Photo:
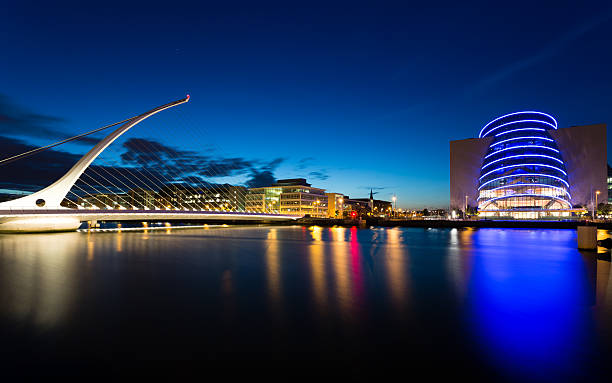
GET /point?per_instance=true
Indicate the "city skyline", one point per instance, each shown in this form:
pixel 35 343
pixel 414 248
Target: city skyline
pixel 272 187
pixel 351 98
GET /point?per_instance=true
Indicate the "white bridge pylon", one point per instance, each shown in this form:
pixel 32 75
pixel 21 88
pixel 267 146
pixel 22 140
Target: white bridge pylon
pixel 52 196
pixel 42 211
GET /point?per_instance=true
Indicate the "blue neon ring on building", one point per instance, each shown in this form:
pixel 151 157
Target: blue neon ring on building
pixel 523 169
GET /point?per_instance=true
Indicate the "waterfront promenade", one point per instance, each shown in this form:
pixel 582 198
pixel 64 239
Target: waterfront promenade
pixel 457 223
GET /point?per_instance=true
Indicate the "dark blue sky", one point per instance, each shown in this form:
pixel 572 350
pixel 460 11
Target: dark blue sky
pixel 350 95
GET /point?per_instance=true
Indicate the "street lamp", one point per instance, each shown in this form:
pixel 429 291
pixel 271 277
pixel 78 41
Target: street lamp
pixel 597 192
pixel 394 198
pixel 465 210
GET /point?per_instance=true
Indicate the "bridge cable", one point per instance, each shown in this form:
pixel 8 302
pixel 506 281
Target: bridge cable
pixel 157 188
pixel 216 188
pixel 112 175
pixel 190 179
pixel 43 148
pixel 179 173
pixel 86 192
pixel 176 174
pixel 213 166
pixel 104 186
pixel 167 181
pixel 152 185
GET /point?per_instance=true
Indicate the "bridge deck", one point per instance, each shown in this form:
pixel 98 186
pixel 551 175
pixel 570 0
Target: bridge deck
pixel 137 215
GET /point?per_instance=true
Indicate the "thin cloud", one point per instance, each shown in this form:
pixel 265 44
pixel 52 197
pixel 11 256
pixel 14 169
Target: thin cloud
pixel 304 163
pixel 18 121
pixel 177 164
pixel 319 175
pixel 264 176
pixel 144 163
pixel 32 173
pixel 260 179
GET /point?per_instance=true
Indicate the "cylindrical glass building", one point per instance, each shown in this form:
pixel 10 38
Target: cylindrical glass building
pixel 523 174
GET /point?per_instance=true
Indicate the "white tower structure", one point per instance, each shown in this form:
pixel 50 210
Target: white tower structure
pixel 51 196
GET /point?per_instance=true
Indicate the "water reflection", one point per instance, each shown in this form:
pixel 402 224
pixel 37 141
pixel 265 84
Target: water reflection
pixel 356 270
pixel 342 275
pixel 519 301
pixel 458 262
pixel 316 233
pixel 529 301
pixel 603 283
pixel 319 277
pixel 119 240
pixel 37 279
pixel 273 271
pixel 397 274
pixel 90 247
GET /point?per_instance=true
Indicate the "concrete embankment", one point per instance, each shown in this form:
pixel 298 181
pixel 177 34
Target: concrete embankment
pixel 455 223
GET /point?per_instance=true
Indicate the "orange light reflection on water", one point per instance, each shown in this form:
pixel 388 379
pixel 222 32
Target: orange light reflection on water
pixel 319 275
pixel 395 264
pixel 273 271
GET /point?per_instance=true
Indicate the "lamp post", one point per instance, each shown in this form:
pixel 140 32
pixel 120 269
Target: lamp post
pixel 394 198
pixel 597 192
pixel 465 209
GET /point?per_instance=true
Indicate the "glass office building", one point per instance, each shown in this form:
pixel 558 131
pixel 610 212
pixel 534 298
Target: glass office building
pixel 291 197
pixel 523 174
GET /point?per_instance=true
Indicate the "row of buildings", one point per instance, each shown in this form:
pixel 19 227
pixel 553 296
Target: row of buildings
pixel 298 197
pixel 169 197
pixel 290 197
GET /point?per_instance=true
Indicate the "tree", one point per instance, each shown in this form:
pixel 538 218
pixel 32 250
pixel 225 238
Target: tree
pixel 604 208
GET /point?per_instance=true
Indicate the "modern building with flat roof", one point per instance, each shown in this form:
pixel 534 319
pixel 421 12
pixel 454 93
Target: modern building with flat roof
pixel 335 205
pixel 291 197
pixel 523 166
pixel 218 197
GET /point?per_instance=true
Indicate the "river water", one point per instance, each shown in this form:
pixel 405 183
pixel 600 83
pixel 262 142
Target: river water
pixel 499 303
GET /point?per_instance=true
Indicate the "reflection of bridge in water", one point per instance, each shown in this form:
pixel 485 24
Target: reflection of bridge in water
pixel 43 210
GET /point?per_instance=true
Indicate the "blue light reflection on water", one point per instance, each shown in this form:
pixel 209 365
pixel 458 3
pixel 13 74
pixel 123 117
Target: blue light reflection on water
pixel 505 301
pixel 529 300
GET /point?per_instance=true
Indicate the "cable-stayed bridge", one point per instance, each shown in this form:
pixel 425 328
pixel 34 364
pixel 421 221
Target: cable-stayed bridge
pixel 132 195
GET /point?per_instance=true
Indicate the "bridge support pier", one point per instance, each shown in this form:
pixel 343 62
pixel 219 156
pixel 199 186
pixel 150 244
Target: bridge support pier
pixel 587 237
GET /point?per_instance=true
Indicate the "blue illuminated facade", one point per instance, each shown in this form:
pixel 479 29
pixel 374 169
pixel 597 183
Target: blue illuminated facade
pixel 523 174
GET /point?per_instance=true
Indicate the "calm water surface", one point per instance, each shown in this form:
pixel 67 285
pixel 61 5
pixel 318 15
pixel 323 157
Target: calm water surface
pixel 520 304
